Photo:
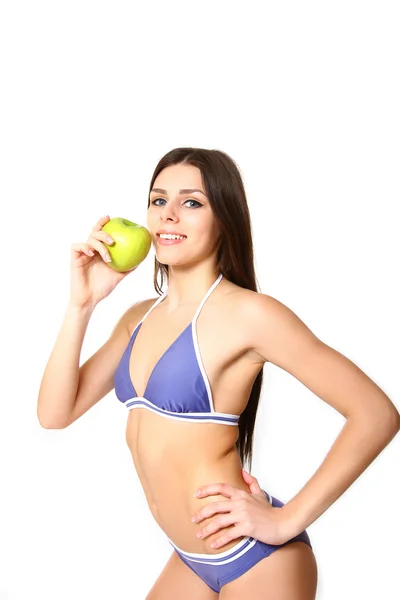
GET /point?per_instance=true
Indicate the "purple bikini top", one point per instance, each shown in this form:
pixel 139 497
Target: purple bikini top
pixel 178 387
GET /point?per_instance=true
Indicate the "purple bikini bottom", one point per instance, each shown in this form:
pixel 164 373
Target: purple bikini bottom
pixel 218 569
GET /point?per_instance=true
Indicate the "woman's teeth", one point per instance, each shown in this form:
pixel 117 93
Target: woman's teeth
pixel 167 236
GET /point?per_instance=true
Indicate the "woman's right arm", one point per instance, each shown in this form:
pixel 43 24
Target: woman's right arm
pixel 67 390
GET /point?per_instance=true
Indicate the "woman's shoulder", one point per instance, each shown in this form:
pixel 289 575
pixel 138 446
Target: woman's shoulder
pixel 249 303
pixel 136 312
pixel 250 308
pixel 242 298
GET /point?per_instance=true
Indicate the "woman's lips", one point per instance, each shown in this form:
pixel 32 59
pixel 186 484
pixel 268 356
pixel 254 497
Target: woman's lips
pixel 164 242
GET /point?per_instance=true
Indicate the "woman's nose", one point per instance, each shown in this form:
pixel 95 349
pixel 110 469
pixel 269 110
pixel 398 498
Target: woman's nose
pixel 169 212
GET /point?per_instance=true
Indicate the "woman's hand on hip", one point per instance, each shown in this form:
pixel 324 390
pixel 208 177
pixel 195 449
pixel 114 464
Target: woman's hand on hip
pixel 250 513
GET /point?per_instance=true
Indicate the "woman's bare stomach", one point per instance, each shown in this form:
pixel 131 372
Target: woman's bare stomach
pixel 173 459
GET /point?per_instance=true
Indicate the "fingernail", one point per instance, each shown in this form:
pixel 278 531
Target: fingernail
pixel 199 535
pixel 109 240
pixel 197 493
pixel 108 258
pixel 194 519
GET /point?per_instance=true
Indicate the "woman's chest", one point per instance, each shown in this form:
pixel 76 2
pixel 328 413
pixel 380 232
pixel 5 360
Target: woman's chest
pixel 210 355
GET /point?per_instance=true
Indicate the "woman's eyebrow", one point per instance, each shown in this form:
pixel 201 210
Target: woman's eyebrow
pixel 184 191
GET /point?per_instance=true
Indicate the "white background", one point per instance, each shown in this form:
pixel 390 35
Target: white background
pixel 304 96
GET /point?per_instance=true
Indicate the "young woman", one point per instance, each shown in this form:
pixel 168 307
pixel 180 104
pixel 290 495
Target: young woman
pixel 188 366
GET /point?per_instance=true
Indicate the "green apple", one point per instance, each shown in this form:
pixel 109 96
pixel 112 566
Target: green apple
pixel 132 243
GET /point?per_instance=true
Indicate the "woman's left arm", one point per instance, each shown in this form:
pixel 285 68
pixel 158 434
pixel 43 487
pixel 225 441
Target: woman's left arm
pixel 279 336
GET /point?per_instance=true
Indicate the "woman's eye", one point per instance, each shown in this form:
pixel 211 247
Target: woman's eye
pixel 189 200
pixel 195 201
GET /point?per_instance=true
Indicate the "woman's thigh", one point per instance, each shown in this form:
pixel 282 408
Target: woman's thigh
pixel 288 573
pixel 177 580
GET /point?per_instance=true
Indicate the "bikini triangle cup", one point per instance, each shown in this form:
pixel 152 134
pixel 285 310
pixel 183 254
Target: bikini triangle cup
pixel 178 386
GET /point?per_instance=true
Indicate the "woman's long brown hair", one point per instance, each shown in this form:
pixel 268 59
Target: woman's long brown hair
pixel 235 257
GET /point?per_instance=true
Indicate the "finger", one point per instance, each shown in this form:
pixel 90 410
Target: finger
pixel 102 236
pixel 233 534
pixel 101 222
pixel 247 476
pixel 256 490
pixel 252 483
pixel 102 250
pixel 82 248
pixel 212 509
pixel 216 525
pixel 219 488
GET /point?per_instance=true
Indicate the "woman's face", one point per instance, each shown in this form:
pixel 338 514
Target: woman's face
pixel 178 204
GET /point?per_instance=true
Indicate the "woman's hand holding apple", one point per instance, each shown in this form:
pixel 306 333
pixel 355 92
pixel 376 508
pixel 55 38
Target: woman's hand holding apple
pixel 91 278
